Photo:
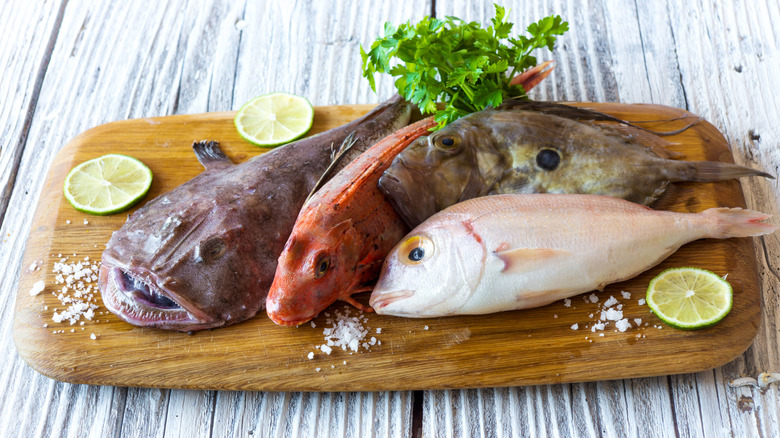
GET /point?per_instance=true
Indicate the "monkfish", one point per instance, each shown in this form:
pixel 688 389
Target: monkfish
pixel 507 252
pixel 538 147
pixel 204 254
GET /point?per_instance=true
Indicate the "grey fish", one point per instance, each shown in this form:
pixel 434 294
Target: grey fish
pixel 538 147
pixel 204 254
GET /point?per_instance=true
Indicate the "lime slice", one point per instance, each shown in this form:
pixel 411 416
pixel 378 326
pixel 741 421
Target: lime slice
pixel 106 185
pixel 274 119
pixel 689 298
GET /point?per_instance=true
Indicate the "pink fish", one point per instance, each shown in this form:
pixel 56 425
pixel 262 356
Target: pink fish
pixel 507 252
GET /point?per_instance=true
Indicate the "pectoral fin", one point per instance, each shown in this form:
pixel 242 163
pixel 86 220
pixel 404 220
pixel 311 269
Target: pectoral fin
pixel 210 155
pixel 520 260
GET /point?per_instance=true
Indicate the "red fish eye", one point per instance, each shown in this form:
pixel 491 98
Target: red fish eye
pixel 322 267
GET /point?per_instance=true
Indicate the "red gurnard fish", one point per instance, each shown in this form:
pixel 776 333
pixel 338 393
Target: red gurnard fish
pixel 341 236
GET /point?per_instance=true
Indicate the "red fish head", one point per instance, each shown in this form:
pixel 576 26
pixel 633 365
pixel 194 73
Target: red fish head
pixel 315 269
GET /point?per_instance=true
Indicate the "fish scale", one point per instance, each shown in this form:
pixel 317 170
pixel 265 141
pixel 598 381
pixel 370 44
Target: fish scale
pixel 539 147
pixel 507 252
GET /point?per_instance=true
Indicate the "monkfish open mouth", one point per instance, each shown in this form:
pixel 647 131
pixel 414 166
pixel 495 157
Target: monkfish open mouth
pixel 141 302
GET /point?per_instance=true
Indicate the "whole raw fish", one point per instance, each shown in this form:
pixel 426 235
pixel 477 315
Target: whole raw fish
pixel 537 147
pixel 340 237
pixel 508 252
pixel 204 254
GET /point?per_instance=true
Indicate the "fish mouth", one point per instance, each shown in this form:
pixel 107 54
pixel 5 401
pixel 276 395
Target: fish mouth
pixel 142 302
pixel 273 309
pixel 380 300
pixel 412 211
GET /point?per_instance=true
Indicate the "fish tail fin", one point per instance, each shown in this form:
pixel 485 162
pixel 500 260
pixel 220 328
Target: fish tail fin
pixel 711 171
pixel 738 222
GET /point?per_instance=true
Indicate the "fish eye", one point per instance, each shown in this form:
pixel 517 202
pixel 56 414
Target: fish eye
pixel 211 249
pixel 415 250
pixel 447 142
pixel 548 159
pixel 323 264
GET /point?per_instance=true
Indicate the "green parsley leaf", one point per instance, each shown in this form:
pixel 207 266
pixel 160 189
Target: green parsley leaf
pixel 459 63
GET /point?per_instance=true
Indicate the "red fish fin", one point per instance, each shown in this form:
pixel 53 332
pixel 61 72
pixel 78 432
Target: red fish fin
pixel 527 259
pixel 738 222
pixel 356 303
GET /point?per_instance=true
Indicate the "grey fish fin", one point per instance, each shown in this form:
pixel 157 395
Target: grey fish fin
pixel 335 157
pixel 577 113
pixel 656 144
pixel 710 171
pixel 210 155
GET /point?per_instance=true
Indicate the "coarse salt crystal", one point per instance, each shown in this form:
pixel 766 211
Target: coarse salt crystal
pixel 85 223
pixel 593 298
pixel 555 316
pixel 425 328
pixel 610 302
pixel 638 321
pixel 67 221
pixel 641 302
pixel 311 355
pixel 612 315
pixel 379 330
pixel 325 349
pixel 566 302
pixel 626 295
pixel 37 287
pixel 623 325
pixel 575 326
pixel 597 326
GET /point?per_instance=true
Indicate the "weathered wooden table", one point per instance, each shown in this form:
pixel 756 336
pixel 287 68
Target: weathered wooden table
pixel 70 65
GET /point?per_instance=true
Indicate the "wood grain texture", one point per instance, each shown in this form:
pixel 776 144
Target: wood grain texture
pixel 682 55
pixel 112 61
pixel 660 52
pixel 509 348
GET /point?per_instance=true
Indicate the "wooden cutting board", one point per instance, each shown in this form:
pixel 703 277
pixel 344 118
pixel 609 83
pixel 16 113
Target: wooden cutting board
pixel 512 348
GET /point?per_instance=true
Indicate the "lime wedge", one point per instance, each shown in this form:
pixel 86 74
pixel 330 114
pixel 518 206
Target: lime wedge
pixel 274 119
pixel 689 298
pixel 108 184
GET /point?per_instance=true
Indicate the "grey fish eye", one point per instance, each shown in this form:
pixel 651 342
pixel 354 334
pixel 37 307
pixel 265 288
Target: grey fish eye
pixel 548 159
pixel 212 249
pixel 416 254
pixel 447 141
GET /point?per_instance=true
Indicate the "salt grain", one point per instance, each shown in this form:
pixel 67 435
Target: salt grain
pixel 623 325
pixel 311 355
pixel 626 295
pixel 575 326
pixel 610 302
pixel 593 298
pixel 566 302
pixel 37 287
pixel 641 302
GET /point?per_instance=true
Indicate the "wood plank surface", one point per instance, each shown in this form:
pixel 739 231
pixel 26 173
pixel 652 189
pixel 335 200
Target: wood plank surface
pixel 107 61
pixel 510 348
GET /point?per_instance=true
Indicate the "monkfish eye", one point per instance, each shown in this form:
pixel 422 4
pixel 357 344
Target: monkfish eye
pixel 322 266
pixel 415 250
pixel 548 159
pixel 446 142
pixel 211 249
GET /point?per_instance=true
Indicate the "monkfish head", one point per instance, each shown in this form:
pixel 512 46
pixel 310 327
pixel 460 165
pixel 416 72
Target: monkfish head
pixel 456 163
pixel 316 268
pixel 184 260
pixel 433 271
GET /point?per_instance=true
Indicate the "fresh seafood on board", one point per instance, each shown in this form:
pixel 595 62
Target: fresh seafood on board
pixel 538 147
pixel 507 252
pixel 204 254
pixel 341 236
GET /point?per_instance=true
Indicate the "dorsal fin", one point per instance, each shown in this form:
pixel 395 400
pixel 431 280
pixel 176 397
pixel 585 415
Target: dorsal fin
pixel 576 113
pixel 210 155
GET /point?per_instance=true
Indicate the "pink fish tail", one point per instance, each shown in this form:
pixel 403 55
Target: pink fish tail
pixel 738 222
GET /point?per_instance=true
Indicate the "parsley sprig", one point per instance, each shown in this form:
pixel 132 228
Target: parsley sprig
pixel 457 62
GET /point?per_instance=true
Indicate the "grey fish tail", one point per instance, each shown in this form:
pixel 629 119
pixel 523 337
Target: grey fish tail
pixel 738 222
pixel 711 171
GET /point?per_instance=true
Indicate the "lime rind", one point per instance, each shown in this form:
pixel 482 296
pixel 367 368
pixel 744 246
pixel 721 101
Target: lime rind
pixel 274 119
pixel 670 298
pixel 100 187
